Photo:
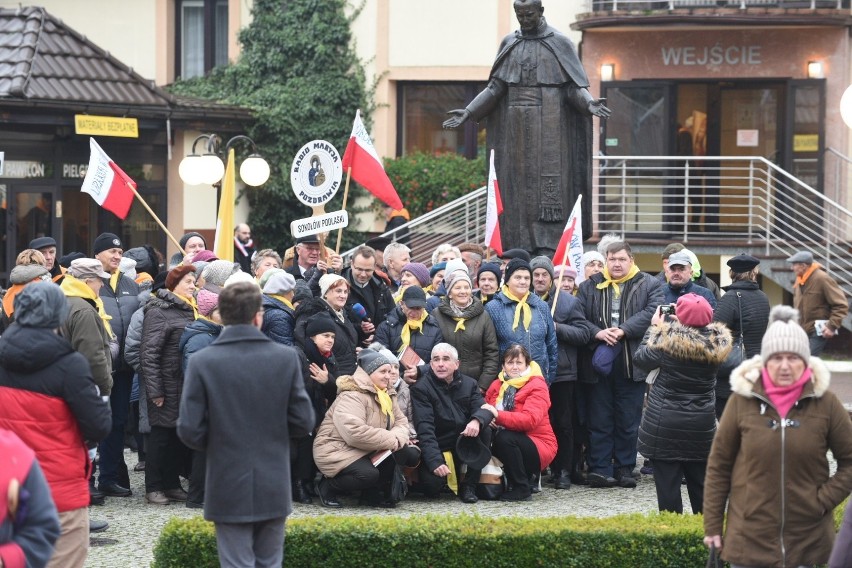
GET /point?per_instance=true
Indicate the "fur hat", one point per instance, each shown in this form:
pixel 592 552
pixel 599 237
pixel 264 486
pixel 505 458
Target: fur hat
pixel 176 275
pixel 419 271
pixel 542 262
pixel 693 310
pixel 370 360
pixel 207 301
pixel 514 265
pixel 320 323
pixel 784 335
pixel 41 304
pixel 106 241
pixel 24 273
pixel 328 281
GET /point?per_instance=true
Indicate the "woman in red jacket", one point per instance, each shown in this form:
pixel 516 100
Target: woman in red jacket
pixel 524 441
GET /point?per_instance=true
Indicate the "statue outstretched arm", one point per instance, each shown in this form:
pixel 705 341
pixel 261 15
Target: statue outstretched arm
pixel 479 107
pixel 590 105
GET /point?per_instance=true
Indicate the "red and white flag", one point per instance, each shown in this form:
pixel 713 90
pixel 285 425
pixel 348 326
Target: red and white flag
pixel 493 208
pixel 108 185
pixel 367 169
pixel 570 248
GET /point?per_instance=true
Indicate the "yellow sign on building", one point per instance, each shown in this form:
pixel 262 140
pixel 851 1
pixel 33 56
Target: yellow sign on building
pixel 106 126
pixel 806 143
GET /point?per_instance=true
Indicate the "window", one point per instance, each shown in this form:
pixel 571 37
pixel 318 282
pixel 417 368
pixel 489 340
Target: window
pixel 202 36
pixel 422 110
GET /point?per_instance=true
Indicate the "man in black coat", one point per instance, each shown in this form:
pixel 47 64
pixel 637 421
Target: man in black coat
pixel 447 404
pixel 367 289
pixel 244 398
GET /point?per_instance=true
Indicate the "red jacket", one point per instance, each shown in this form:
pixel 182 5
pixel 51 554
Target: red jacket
pixel 530 416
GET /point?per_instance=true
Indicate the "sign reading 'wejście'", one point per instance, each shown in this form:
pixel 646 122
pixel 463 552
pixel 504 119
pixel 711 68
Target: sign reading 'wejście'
pixel 106 126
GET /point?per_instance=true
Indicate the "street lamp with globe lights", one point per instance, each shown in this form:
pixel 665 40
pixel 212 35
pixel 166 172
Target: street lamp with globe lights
pixel 209 169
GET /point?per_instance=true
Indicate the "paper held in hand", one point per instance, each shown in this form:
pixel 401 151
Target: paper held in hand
pixel 819 327
pixel 379 457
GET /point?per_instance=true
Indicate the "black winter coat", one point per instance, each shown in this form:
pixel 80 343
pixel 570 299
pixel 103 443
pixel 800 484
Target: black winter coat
pixel 120 305
pixel 389 334
pixel 322 394
pixel 376 297
pixel 441 412
pixel 755 315
pixel 571 333
pixel 346 338
pixel 166 318
pixel 640 297
pixel 479 350
pixel 679 421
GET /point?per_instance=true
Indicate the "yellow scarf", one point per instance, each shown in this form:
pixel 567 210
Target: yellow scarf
pixel 522 308
pixel 412 325
pixel 283 300
pixel 113 280
pixel 459 325
pixel 192 304
pixel 398 296
pixel 76 288
pixel 532 371
pixel 452 482
pixel 800 280
pixel 385 403
pixel 634 270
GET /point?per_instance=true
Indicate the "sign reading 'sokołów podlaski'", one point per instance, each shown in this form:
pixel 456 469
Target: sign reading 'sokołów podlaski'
pixel 316 173
pixel 319 224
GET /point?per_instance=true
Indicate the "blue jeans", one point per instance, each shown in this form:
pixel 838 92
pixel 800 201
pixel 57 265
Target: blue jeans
pixel 111 464
pixel 614 410
pixel 817 344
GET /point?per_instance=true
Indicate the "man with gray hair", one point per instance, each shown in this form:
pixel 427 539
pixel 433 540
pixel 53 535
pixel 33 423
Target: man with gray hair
pixel 447 407
pixel 396 256
pixel 471 254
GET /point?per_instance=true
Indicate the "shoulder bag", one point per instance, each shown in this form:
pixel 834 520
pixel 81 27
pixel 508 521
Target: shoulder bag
pixel 738 352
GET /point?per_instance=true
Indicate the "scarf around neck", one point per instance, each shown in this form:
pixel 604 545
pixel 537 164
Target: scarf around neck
pixel 385 403
pixel 458 313
pixel 283 300
pixel 192 304
pixel 76 288
pixel 634 270
pixel 522 308
pixel 508 387
pixel 409 326
pixel 783 398
pixel 800 280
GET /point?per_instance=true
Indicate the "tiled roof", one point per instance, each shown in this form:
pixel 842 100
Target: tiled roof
pixel 43 60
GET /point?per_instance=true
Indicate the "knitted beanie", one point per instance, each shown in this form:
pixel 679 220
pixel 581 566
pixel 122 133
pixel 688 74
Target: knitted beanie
pixel 387 353
pixel 237 277
pixel 516 264
pixel 207 302
pixel 185 239
pixel 492 268
pixel 320 323
pixel 592 255
pixel 329 280
pixel 419 271
pixel 693 310
pixel 542 262
pixel 218 271
pixel 24 273
pixel 454 277
pixel 785 335
pixel 370 360
pixel 569 271
pixel 106 241
pixel 176 275
pixel 204 256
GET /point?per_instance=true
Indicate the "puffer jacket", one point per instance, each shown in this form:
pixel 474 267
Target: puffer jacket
pixel 278 321
pixel 774 474
pixel 530 416
pixel 640 297
pixel 166 318
pixel 403 396
pixel 755 316
pixel 354 426
pixel 389 335
pixel 540 339
pixel 679 420
pixel 197 335
pixel 347 336
pixel 571 333
pixel 132 342
pixel 120 305
pixel 441 412
pixel 48 398
pixel 479 352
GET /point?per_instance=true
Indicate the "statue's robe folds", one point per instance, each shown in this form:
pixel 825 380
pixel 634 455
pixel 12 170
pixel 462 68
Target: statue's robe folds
pixel 541 133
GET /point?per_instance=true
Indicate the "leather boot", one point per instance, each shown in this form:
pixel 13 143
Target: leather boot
pixel 467 494
pixel 563 480
pixel 300 493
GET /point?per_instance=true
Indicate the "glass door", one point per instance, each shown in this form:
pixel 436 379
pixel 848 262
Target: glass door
pixel 30 212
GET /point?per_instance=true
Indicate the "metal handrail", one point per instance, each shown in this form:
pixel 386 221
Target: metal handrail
pixel 643 5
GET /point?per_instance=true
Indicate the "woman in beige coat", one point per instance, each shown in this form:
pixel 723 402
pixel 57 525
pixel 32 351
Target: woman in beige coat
pixel 364 424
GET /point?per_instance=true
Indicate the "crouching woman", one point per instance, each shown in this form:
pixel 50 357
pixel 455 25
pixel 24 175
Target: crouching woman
pixel 365 418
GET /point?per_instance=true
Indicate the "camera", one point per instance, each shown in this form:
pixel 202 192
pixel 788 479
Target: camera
pixel 667 310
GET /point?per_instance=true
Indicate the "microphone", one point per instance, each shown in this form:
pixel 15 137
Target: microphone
pixel 360 311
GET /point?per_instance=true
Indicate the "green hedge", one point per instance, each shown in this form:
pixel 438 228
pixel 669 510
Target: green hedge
pixel 632 541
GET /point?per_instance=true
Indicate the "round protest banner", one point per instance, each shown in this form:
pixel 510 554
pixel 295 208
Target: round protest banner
pixel 316 173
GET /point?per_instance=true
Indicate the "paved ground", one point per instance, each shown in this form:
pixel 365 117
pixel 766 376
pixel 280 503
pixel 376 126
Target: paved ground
pixel 135 526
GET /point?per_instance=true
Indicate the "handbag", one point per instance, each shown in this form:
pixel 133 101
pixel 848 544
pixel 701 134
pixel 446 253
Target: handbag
pixel 399 485
pixel 714 560
pixel 738 352
pixel 492 482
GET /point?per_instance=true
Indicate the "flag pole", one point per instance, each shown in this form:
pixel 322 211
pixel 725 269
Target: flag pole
pixel 345 197
pixel 559 282
pixel 157 219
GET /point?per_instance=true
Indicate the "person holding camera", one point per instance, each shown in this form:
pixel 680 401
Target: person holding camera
pixel 679 281
pixel 679 421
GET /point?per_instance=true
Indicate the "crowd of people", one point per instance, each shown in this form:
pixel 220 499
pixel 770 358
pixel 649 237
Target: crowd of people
pixel 419 378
